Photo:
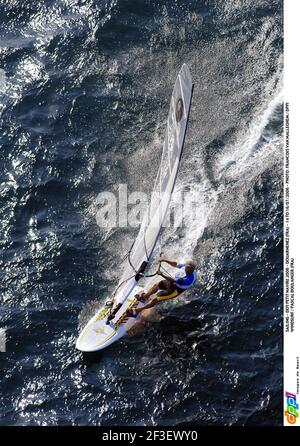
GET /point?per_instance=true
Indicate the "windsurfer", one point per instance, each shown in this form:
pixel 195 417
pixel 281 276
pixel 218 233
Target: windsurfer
pixel 170 287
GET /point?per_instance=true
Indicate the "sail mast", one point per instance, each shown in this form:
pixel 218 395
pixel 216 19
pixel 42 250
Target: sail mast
pixel 143 247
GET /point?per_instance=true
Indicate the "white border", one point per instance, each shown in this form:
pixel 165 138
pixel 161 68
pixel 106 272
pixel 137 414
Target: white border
pixel 291 197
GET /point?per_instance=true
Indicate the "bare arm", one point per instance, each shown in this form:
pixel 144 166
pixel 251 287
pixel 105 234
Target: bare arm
pixel 170 278
pixel 170 262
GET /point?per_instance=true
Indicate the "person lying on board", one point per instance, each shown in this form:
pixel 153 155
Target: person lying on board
pixel 170 287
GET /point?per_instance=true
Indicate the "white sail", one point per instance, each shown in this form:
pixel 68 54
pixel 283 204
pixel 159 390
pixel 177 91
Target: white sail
pixel 98 334
pixel 144 244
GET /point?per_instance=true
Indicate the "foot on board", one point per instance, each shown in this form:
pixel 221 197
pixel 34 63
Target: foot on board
pixel 131 312
pixel 113 313
pixel 109 318
pixel 140 297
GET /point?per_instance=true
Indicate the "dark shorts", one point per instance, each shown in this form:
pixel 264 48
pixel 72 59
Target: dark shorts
pixel 168 290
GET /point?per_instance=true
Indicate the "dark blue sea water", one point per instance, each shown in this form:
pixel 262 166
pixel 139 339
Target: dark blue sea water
pixel 84 92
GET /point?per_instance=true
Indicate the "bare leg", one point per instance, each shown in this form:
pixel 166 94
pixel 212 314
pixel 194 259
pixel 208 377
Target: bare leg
pixel 146 296
pixel 148 305
pixel 152 290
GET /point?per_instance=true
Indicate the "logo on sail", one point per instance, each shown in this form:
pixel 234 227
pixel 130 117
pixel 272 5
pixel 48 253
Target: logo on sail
pixel 179 110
